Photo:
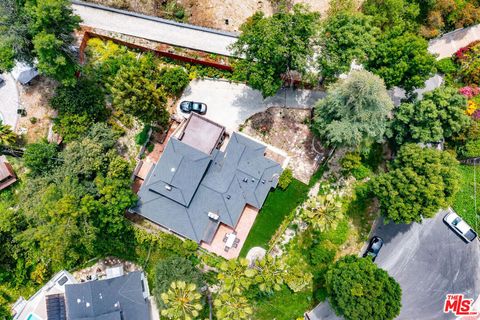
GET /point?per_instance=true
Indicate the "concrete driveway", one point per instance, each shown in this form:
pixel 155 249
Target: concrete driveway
pixel 230 104
pixel 9 101
pixel 429 261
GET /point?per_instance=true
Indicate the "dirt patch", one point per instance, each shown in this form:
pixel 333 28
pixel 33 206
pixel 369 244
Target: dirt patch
pixel 288 130
pixel 35 99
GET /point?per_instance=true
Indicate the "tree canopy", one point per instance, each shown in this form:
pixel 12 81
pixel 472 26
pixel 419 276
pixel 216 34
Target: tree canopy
pixel 40 157
pixel 345 37
pixel 40 29
pixel 355 111
pixel 135 90
pixel 359 290
pixel 402 60
pixel 273 46
pixel 439 115
pixel 420 182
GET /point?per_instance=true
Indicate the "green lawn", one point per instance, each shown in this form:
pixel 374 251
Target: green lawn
pixel 464 200
pixel 279 203
pixel 283 305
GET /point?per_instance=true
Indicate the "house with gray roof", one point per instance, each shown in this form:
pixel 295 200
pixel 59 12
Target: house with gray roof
pixel 119 298
pixel 194 188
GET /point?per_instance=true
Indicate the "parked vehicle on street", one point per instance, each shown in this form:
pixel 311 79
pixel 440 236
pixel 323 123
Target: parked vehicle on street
pixel 191 106
pixel 459 226
pixel 374 247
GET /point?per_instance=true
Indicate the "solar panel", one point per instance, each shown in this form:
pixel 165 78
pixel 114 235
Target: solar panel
pixel 56 307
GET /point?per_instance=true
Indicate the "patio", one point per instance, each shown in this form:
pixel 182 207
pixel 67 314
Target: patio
pixel 234 239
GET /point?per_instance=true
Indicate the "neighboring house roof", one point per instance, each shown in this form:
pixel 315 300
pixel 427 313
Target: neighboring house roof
pixel 24 73
pixel 222 183
pixel 7 176
pixel 46 303
pixel 120 298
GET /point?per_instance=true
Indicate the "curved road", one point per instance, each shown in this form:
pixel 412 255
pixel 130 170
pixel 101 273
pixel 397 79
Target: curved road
pixel 429 261
pixel 155 29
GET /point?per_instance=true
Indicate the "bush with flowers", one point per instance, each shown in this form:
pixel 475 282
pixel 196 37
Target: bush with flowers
pixel 469 61
pixel 469 91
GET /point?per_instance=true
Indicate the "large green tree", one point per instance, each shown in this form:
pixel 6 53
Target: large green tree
pixel 136 90
pixel 439 115
pixel 41 157
pixel 41 29
pixel 420 182
pixel 344 38
pixel 354 112
pixel 359 290
pixel 388 14
pixel 402 60
pixel 272 46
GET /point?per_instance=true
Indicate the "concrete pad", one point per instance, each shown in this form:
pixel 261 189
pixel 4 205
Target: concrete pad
pixel 231 104
pixel 9 101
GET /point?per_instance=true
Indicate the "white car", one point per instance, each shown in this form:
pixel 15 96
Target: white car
pixel 459 226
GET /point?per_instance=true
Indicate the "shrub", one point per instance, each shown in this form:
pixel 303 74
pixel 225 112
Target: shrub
pixel 322 253
pixel 40 157
pixel 174 80
pixel 471 149
pixel 142 136
pixel 351 164
pixel 285 179
pixel 446 66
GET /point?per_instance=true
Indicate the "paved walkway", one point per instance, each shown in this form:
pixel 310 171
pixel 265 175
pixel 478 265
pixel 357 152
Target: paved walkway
pixel 449 43
pixel 155 29
pixel 9 101
pixel 230 104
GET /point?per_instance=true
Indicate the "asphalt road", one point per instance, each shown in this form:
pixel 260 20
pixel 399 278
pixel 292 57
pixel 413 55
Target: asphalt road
pixel 156 29
pixel 429 261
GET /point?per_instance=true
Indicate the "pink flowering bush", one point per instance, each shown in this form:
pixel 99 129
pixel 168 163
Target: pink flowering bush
pixel 460 54
pixel 469 91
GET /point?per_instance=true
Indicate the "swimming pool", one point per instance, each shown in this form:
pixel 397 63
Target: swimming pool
pixel 33 316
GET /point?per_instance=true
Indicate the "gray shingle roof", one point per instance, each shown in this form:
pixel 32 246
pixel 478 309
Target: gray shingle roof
pixel 222 183
pixel 120 298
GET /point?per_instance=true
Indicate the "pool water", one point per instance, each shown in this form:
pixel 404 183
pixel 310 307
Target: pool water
pixel 33 316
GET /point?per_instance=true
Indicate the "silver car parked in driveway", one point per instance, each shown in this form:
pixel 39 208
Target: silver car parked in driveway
pixel 459 226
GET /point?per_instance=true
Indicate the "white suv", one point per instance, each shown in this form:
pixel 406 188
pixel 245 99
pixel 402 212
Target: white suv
pixel 459 226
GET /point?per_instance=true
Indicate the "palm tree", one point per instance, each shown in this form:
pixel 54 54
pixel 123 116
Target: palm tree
pixel 7 136
pixel 323 212
pixel 182 301
pixel 231 306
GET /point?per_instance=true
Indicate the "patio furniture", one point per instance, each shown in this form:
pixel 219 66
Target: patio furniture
pixel 230 240
pixel 235 244
pixel 225 238
pixel 237 241
pixel 226 249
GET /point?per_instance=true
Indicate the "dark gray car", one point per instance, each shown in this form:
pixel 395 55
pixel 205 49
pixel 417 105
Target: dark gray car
pixel 374 247
pixel 191 106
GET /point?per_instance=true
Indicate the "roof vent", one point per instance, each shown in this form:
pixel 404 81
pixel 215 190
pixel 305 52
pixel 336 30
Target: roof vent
pixel 168 187
pixel 213 216
pixel 253 180
pixel 172 170
pixel 263 181
pixel 245 179
pixel 228 196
